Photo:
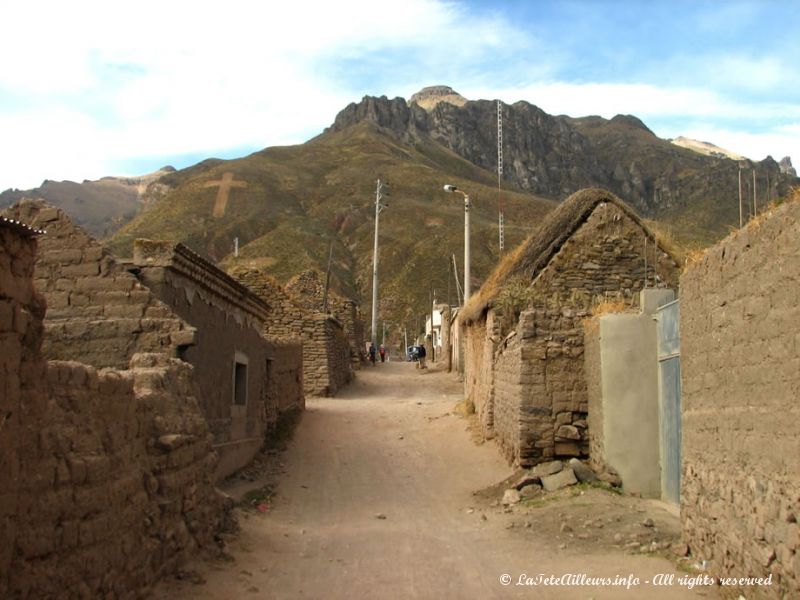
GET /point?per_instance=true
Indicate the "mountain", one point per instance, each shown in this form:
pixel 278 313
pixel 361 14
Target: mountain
pixel 706 148
pixel 288 206
pixel 554 156
pixel 101 207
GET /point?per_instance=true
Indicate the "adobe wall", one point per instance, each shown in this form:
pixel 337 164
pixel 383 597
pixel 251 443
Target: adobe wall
pixel 106 475
pixel 740 359
pixel 21 374
pixel 98 313
pixel 286 379
pixel 322 336
pixel 228 320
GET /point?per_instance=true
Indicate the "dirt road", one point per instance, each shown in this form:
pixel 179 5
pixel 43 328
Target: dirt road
pixel 377 502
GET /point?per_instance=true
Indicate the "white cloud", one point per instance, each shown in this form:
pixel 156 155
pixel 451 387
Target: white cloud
pixel 89 86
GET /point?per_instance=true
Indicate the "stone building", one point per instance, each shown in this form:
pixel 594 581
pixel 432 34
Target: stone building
pixel 102 314
pixel 308 291
pixel 740 379
pixel 106 475
pixel 235 364
pixel 523 334
pixel 327 348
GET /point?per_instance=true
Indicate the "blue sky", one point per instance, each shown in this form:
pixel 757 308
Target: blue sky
pixel 88 89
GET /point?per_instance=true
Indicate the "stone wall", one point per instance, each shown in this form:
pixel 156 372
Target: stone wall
pixel 538 399
pixel 323 337
pixel 98 313
pixel 308 290
pixel 105 475
pixel 740 360
pixel 229 320
pixel 480 340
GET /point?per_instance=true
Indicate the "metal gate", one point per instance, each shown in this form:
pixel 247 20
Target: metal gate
pixel 669 400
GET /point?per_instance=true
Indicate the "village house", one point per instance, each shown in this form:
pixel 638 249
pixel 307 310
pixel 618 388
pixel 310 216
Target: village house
pixel 106 475
pixel 247 380
pixel 522 332
pixel 175 303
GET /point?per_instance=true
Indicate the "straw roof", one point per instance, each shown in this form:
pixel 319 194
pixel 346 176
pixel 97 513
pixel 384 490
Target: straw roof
pixel 534 254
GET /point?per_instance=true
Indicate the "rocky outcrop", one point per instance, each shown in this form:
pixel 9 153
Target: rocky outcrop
pixel 554 156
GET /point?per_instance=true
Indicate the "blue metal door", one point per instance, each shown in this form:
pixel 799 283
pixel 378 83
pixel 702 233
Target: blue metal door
pixel 669 400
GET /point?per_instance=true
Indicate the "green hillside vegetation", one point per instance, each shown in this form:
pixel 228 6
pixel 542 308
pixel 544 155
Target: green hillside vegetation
pixel 301 198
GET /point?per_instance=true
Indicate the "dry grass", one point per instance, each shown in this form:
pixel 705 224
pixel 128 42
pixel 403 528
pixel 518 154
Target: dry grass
pixel 608 307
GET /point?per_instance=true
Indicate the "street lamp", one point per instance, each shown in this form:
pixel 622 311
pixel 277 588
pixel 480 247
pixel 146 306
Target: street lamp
pixel 454 189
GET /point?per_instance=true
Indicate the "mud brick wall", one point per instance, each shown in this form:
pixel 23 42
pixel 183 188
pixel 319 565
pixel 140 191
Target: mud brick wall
pixel 289 320
pixel 117 486
pixel 21 372
pixel 740 376
pixel 229 321
pixel 508 392
pixel 105 475
pixel 98 313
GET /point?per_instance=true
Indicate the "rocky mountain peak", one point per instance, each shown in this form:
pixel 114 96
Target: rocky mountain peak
pixel 786 167
pixel 430 96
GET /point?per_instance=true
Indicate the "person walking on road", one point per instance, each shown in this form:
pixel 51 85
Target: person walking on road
pixel 421 356
pixel 372 354
pixel 382 352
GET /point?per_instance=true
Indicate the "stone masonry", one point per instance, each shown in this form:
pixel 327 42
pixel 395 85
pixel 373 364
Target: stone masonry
pixel 740 376
pixel 524 366
pixel 106 479
pixel 327 364
pixel 308 291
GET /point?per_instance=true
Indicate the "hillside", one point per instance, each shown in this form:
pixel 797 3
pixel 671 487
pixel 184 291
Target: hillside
pixel 101 207
pixel 288 204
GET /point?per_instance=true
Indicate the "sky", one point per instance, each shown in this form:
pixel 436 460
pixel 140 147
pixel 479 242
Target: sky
pixel 94 88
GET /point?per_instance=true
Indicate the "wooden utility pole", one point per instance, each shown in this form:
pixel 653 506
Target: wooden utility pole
pixel 755 202
pixel 327 280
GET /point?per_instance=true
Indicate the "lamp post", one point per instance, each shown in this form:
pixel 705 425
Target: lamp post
pixel 454 189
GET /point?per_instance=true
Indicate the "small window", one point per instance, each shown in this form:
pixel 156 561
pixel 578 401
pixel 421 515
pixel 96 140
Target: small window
pixel 240 380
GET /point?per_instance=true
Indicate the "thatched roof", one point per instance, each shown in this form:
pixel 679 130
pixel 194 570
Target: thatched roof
pixel 533 255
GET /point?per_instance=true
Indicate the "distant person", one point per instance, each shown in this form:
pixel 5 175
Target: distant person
pixel 421 356
pixel 382 352
pixel 372 354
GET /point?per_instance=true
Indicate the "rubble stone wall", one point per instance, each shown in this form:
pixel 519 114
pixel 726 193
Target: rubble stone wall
pixel 740 359
pixel 480 340
pixel 98 313
pixel 288 320
pixel 308 291
pixel 604 258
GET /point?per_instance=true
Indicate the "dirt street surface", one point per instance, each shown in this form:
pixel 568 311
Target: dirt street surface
pixel 382 493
